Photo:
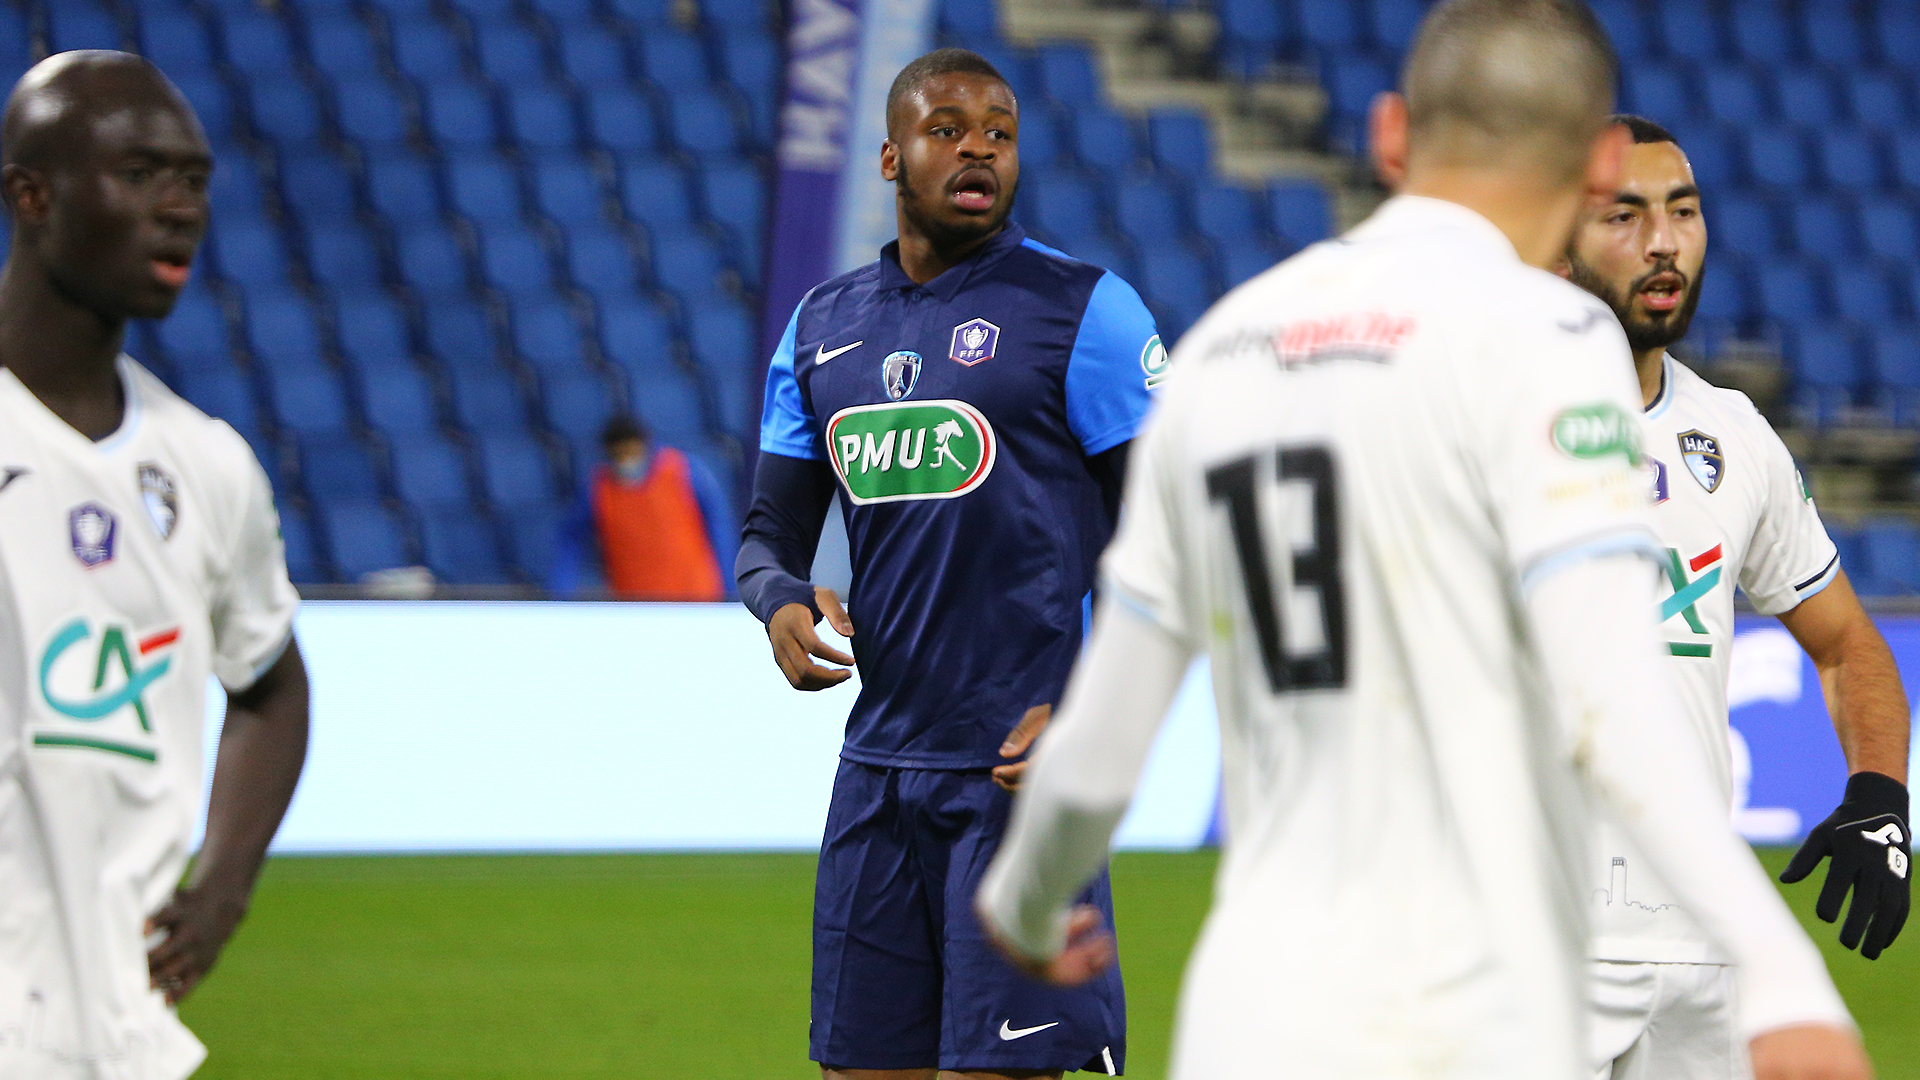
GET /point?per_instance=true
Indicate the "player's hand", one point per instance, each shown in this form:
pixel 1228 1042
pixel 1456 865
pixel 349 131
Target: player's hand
pixel 1021 737
pixel 1809 1052
pixel 795 644
pixel 1872 849
pixel 197 923
pixel 1089 951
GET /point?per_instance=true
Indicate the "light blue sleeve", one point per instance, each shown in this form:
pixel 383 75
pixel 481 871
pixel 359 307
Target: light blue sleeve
pixel 785 427
pixel 1116 361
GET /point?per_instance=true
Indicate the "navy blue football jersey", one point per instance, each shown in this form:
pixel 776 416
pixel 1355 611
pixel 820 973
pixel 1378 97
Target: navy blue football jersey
pixel 958 417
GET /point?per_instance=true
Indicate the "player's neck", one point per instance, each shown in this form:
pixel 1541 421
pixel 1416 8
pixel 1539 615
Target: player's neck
pixel 923 258
pixel 1651 366
pixel 1536 219
pixel 61 351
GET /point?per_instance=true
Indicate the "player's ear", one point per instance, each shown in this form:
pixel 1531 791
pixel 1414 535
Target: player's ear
pixel 26 193
pixel 889 161
pixel 1387 138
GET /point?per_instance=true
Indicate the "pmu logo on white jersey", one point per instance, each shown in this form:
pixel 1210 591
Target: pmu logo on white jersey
pixel 1701 452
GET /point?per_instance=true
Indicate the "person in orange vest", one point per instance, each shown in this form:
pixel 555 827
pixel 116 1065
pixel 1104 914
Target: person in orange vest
pixel 659 520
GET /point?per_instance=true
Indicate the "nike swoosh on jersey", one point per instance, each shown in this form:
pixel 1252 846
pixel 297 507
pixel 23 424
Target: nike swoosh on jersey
pixel 1008 1032
pixel 14 472
pixel 823 355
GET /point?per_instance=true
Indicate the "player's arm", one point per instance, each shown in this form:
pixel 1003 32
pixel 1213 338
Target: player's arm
pixel 263 746
pixel 1869 710
pixel 792 492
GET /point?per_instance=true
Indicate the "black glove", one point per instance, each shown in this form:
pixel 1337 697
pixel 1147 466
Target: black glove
pixel 1871 848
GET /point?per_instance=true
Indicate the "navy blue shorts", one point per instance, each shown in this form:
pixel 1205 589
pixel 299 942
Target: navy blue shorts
pixel 902 976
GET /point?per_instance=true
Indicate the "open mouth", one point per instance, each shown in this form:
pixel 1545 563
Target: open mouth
pixel 173 270
pixel 1663 291
pixel 974 191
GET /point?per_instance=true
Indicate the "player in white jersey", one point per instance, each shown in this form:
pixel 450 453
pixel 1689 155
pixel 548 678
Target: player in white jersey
pixel 1393 491
pixel 1731 509
pixel 139 554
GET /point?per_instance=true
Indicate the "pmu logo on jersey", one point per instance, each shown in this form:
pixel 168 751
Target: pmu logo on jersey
pixel 163 501
pixel 87 679
pixel 1687 593
pixel 900 371
pixel 974 342
pixel 911 450
pixel 1155 362
pixel 92 528
pixel 1589 432
pixel 1701 452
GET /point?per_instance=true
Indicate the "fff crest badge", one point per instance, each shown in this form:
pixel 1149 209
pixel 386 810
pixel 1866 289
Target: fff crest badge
pixel 1701 452
pixel 92 527
pixel 157 490
pixel 900 371
pixel 974 342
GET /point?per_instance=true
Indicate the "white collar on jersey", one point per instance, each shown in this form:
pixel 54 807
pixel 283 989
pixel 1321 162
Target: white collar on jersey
pixel 1405 214
pixel 1665 397
pixel 130 389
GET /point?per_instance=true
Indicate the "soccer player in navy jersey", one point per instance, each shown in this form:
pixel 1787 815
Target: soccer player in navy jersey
pixel 971 396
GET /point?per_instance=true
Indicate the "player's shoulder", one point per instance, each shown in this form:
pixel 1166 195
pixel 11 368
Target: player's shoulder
pixel 1052 276
pixel 834 295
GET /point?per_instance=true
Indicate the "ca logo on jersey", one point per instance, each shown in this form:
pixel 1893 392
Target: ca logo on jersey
pixel 938 449
pixel 1687 593
pixel 1701 452
pixel 93 684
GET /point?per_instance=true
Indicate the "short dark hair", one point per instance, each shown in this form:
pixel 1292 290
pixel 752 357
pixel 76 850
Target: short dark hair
pixel 933 65
pixel 624 428
pixel 1644 130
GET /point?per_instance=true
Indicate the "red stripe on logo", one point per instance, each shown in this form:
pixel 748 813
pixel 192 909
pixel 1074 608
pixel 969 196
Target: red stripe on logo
pixel 1705 558
pixel 159 641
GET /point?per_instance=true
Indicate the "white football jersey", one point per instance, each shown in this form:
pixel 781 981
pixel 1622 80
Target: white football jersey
pixel 1731 510
pixel 130 570
pixel 1361 457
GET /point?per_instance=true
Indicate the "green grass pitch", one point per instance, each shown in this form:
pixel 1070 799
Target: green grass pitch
pixel 573 966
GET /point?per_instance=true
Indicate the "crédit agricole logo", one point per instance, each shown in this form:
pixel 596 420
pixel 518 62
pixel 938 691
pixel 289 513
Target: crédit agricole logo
pixel 899 451
pixel 107 680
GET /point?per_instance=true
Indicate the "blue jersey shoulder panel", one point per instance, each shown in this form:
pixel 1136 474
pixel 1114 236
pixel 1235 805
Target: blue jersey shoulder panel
pixel 1113 367
pixel 785 427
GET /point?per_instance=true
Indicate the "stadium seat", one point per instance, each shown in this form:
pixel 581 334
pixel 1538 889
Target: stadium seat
pixel 738 16
pixel 399 401
pixel 970 22
pixel 174 40
pixel 509 54
pixel 282 330
pixel 541 118
pixel 566 190
pixel 578 406
pixel 1777 159
pixel 211 103
pixel 1688 29
pixel 1822 226
pixel 752 65
pixel 459 334
pixel 1827 371
pixel 704 124
pixel 1733 95
pixel 1744 224
pixel 431 262
pixel 515 471
pixel 1761 34
pixel 1832 35
pixel 1627 27
pixel 722 335
pixel 460 548
pixel 514 261
pixel 533 532
pixel 686 261
pixel 1726 295
pixel 427 469
pixel 674 60
pixel 566 12
pixel 363 536
pixel 197 327
pixel 1069 75
pixel 235 192
pixel 459 115
pixel 1253 33
pixel 256 43
pixel 483 188
pixel 1806 97
pixel 1866 294
pixel 311 402
pixel 370 113
pixel 1895 355
pixel 656 193
pixel 1062 205
pixel 1394 23
pixel 643 13
pixel 1352 82
pixel 425 51
pixel 376 335
pixel 401 187
pixel 548 337
pixel 484 12
pixel 1878 98
pixel 1893 552
pixel 1848 160
pixel 1890 229
pixel 315 186
pixel 1176 281
pixel 1658 91
pixel 736 196
pixel 622 120
pixel 1715 155
pixel 304 563
pixel 1227 214
pixel 1906 160
pixel 78 24
pixel 285 110
pixel 1301 211
pixel 592 58
pixel 602 264
pixel 487 400
pixel 251 252
pixel 1043 138
pixel 1182 142
pixel 1149 211
pixel 340 46
pixel 1020 68
pixel 333 468
pixel 223 392
pixel 1791 289
pixel 343 258
pixel 1104 140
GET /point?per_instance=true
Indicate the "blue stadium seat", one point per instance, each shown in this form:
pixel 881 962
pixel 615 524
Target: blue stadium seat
pixel 333 468
pixel 1890 229
pixel 514 261
pixel 1716 154
pixel 1021 70
pixel 399 402
pixel 234 190
pixel 285 110
pixel 541 118
pixel 282 331
pixel 425 50
pixel 621 119
pixel 211 103
pixel 1062 205
pixel 1104 139
pixel 250 252
pixel 1733 95
pixel 369 112
pixel 1100 249
pixel 1827 371
pixel 432 263
pixel 722 335
pixel 509 54
pixel 1906 160
pixel 643 13
pixel 1149 211
pixel 256 43
pixel 484 12
pixel 1395 22
pixel 566 190
pixel 1806 97
pixel 315 186
pixel 310 402
pixel 459 548
pixel 363 536
pixel 1626 25
pixel 1832 34
pixel 1762 35
pixel 1352 82
pixel 1822 226
pixel 1726 295
pixel 753 66
pixel 669 401
pixel 460 116
pixel 460 335
pixel 737 16
pixel 1177 283
pixel 566 12
pixel 547 336
pixel 656 192
pixel 1182 142
pixel 1897 31
pixel 196 329
pixel 1848 159
pixel 1878 98
pixel 1688 29
pixel 1069 75
pixel 483 188
pixel 1791 290
pixel 1301 210
pixel 340 46
pixel 427 469
pixel 515 470
pixel 1657 91
pixel 1777 159
pixel 1893 552
pixel 77 24
pixel 1041 137
pixel 1253 32
pixel 532 532
pixel 1329 29
pixel 1867 294
pixel 1227 213
pixel 401 187
pixel 637 336
pixel 735 195
pixel 703 123
pixel 1744 224
pixel 970 22
pixel 487 400
pixel 592 58
pixel 674 60
pixel 304 564
pixel 1895 353
pixel 174 40
pixel 579 404
pixel 223 392
pixel 601 263
pixel 686 261
pixel 375 336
